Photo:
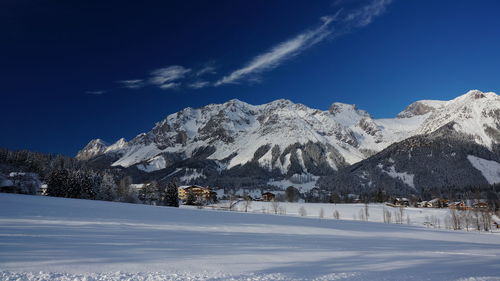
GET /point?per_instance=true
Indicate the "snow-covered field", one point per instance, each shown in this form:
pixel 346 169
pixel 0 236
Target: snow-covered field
pixel 416 216
pixel 71 239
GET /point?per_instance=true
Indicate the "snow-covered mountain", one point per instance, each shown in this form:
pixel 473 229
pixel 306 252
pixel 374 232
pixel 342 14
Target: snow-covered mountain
pixel 284 139
pixel 98 147
pixel 457 145
pixel 476 114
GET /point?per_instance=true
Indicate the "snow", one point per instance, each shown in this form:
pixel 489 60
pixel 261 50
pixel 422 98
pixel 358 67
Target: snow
pixel 472 114
pixel 490 169
pixel 303 187
pixel 137 154
pixel 407 178
pixel 191 175
pixel 44 238
pixel 418 216
pixel 347 114
pixel 303 182
pixel 282 123
pixel 155 164
pixel 118 145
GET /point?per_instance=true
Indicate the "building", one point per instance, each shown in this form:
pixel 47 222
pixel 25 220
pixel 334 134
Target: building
pixel 200 192
pixel 42 190
pixel 268 196
pixel 20 182
pixel 460 205
pixel 437 203
pixel 405 202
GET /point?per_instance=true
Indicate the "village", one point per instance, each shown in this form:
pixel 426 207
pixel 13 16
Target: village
pixel 291 201
pixel 28 183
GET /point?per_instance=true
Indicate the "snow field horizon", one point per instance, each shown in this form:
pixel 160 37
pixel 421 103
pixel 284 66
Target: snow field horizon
pixel 73 239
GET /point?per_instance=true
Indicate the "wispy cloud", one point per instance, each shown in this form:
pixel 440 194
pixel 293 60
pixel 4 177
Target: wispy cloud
pixel 199 84
pixel 331 26
pixel 206 70
pixel 132 84
pixel 171 85
pixel 95 92
pixel 164 77
pixel 365 15
pixel 279 53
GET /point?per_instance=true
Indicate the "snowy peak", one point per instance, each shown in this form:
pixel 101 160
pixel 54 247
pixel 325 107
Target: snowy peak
pixel 421 107
pixel 286 139
pixel 476 95
pixel 120 144
pixel 93 148
pixel 347 113
pixel 97 147
pixel 475 113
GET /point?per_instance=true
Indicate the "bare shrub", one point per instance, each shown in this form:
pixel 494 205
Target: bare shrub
pixel 367 213
pixel 336 214
pixel 362 216
pixel 387 216
pixel 275 205
pixel 247 203
pixel 486 220
pixel 455 220
pixel 302 211
pixel 282 210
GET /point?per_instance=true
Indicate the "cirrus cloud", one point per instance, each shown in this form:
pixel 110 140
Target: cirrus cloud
pixel 331 26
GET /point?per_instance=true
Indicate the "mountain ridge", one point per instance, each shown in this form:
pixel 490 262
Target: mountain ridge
pixel 286 140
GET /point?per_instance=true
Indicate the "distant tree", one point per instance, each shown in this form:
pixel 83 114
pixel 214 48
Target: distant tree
pixel 124 187
pixel 292 194
pixel 131 196
pixel 275 206
pixel 149 193
pixel 336 214
pixel 172 195
pixel 387 215
pixel 57 182
pixel 73 184
pixel 247 203
pixel 302 211
pixel 366 211
pixel 108 190
pixel 334 198
pixel 126 193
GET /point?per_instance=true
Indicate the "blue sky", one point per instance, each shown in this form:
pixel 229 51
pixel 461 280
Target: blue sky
pixel 72 71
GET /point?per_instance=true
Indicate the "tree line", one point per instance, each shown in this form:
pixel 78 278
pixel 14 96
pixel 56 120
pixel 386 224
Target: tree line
pixel 89 184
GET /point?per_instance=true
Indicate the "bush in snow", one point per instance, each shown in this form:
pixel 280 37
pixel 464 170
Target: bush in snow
pixel 302 211
pixel 336 214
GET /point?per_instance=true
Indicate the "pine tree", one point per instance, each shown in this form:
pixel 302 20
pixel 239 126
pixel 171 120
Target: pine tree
pixel 57 182
pixel 172 195
pixel 108 190
pixel 149 193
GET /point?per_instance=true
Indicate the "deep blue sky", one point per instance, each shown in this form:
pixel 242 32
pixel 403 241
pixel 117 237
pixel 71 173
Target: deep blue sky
pixel 56 55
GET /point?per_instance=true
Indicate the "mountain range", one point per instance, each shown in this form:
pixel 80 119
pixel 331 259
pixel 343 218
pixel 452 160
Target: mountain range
pixel 235 144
